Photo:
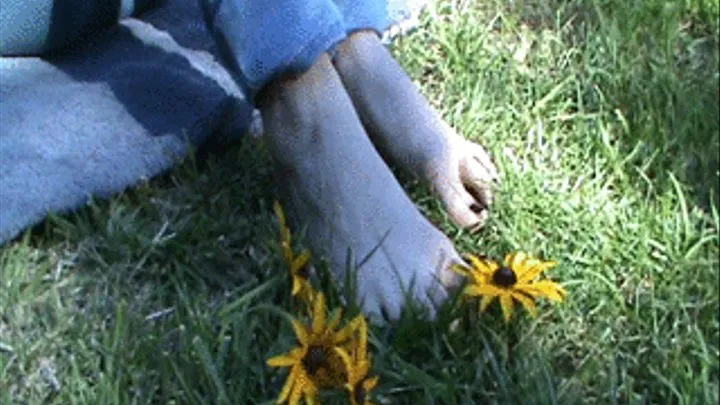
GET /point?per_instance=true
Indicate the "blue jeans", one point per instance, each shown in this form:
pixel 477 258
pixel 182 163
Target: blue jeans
pixel 259 40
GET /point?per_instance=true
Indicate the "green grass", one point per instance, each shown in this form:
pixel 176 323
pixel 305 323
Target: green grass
pixel 607 136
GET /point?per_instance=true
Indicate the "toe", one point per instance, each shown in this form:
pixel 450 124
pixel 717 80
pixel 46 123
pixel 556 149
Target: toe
pixel 464 210
pixel 448 278
pixel 392 304
pixel 477 180
pixel 486 169
pixel 430 295
pixel 445 280
pixel 372 307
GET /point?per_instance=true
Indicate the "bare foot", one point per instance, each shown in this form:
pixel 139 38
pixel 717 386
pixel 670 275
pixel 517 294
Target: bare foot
pixel 339 186
pixel 411 133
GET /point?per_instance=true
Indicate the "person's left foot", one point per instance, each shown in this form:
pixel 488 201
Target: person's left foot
pixel 335 182
pixel 411 133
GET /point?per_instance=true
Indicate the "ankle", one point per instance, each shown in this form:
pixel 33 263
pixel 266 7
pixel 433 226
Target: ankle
pixel 355 46
pixel 289 85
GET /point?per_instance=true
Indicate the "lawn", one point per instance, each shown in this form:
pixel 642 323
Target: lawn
pixel 603 119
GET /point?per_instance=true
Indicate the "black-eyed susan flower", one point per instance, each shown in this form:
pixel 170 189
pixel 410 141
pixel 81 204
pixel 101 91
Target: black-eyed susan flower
pixel 357 365
pixel 515 281
pixel 298 265
pixel 314 364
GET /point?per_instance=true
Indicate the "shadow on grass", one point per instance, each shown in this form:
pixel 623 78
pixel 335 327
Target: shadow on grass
pixel 212 204
pixel 139 281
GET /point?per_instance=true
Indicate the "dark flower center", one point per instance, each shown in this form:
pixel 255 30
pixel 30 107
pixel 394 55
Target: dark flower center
pixel 504 277
pixel 315 359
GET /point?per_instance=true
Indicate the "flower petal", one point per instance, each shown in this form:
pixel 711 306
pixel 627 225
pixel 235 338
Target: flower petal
pixel 480 278
pixel 345 356
pixel 296 285
pixel 300 261
pixel 485 266
pixel 346 332
pixel 279 212
pixel 534 269
pixel 485 302
pixel 287 387
pixel 296 394
pixel 506 303
pixel 461 269
pixel 307 294
pixel 526 302
pixel 287 252
pixel 361 370
pixel 285 360
pixel 362 329
pixel 319 314
pixel 285 236
pixel 370 383
pixel 560 289
pixel 484 289
pixel 308 385
pixel 300 332
pixel 552 290
pixel 509 258
pixel 516 261
pixel 525 266
pixel 544 288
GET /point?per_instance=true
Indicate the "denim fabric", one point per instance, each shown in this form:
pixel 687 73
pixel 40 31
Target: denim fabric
pixel 122 103
pixel 34 27
pixel 261 40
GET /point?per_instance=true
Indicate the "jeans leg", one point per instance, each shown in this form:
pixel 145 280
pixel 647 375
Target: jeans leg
pixel 263 40
pixel 376 15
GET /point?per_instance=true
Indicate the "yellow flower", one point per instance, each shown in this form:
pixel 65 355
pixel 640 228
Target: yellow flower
pixel 314 364
pixel 357 365
pixel 285 239
pixel 298 265
pixel 300 278
pixel 516 280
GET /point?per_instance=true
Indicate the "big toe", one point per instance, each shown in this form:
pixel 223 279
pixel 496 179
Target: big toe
pixel 427 283
pixel 444 280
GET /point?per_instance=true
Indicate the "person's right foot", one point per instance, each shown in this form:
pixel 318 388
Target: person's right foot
pixel 340 188
pixel 411 133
